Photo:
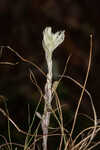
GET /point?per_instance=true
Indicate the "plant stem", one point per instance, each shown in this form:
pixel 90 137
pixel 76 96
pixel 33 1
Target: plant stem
pixel 48 100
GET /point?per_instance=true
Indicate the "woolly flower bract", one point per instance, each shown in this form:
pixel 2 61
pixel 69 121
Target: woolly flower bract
pixel 52 40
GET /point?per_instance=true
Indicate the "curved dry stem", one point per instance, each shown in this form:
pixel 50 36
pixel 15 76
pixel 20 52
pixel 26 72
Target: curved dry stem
pixel 6 142
pixel 94 112
pixel 61 120
pixel 22 59
pixel 81 96
pixel 14 124
pixel 96 144
pixel 9 63
pixel 34 81
pixel 3 145
pixel 65 69
pixel 59 105
pixel 32 146
pixel 85 139
pixel 61 126
pixel 41 137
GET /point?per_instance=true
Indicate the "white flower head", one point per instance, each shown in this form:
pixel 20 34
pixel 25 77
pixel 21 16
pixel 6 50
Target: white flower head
pixel 52 40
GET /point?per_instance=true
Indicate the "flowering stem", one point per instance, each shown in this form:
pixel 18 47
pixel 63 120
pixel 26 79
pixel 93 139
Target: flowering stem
pixel 50 42
pixel 48 100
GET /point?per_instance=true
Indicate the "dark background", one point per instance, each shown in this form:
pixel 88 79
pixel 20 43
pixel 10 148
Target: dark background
pixel 21 25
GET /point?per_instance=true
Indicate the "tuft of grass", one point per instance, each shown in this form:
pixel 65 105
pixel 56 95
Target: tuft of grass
pixel 84 140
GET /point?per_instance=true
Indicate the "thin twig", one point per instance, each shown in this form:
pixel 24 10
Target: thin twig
pixel 81 96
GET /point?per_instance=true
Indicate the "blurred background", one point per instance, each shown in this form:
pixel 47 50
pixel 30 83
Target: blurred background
pixel 21 25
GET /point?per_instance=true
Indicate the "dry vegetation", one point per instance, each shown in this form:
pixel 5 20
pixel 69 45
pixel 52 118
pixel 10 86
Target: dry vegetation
pixel 84 140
